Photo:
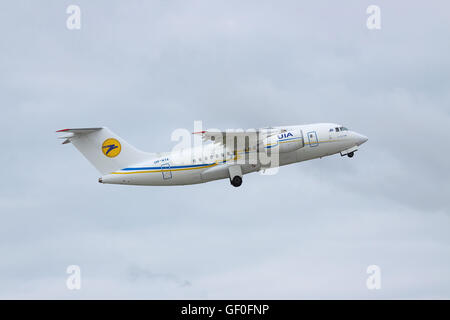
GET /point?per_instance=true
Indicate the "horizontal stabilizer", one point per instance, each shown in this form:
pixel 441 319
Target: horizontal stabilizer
pixel 80 130
pixel 75 131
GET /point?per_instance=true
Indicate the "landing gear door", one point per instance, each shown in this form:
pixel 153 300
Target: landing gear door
pixel 166 172
pixel 312 139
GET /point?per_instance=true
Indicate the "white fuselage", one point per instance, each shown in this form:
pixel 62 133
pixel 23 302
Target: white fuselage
pixel 212 161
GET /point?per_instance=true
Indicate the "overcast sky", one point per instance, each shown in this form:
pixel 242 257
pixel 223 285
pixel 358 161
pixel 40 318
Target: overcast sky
pixel 146 68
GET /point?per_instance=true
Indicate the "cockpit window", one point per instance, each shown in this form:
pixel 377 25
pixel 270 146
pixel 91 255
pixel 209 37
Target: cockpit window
pixel 337 129
pixel 344 129
pixel 331 130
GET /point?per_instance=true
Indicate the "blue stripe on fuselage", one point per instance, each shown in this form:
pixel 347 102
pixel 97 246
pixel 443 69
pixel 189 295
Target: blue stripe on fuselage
pixel 174 167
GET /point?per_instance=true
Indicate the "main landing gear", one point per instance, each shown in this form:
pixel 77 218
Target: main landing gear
pixel 235 174
pixel 351 154
pixel 236 181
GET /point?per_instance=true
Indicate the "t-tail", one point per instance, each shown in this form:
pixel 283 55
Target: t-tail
pixel 105 150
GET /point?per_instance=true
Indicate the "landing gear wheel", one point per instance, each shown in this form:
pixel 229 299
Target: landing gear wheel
pixel 351 154
pixel 236 181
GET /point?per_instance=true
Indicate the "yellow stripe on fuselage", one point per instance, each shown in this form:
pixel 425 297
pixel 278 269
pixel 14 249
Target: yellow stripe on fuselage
pixel 166 170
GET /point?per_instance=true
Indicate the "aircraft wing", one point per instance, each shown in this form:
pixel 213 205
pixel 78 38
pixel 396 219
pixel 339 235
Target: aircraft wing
pixel 256 137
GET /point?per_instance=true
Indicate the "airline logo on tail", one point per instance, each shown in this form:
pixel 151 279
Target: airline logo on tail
pixel 111 148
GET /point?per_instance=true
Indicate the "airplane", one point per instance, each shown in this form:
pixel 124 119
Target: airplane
pixel 221 158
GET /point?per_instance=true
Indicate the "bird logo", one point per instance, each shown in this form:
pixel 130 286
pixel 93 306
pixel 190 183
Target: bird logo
pixel 111 148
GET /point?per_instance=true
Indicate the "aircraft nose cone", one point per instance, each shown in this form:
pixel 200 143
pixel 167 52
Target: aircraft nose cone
pixel 361 139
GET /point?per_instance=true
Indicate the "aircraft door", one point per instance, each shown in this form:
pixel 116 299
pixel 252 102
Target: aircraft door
pixel 312 139
pixel 166 172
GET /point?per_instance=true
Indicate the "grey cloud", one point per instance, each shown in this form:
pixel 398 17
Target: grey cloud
pixel 146 68
pixel 138 274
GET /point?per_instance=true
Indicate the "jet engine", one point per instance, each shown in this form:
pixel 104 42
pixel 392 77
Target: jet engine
pixel 287 141
pixel 291 140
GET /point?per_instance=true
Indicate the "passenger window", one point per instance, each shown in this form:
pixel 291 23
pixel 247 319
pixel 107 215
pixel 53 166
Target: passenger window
pixel 193 161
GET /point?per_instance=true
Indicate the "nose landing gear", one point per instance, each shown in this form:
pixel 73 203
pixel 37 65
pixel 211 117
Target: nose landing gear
pixel 236 181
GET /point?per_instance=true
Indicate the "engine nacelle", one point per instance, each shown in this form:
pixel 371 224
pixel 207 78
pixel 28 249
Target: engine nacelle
pixel 288 141
pixel 291 140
